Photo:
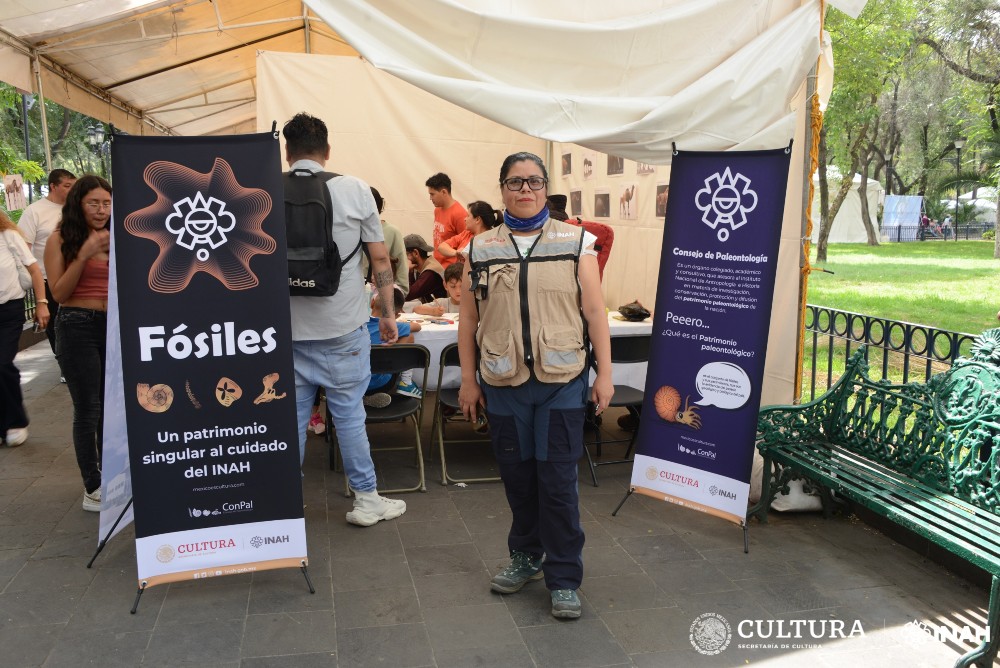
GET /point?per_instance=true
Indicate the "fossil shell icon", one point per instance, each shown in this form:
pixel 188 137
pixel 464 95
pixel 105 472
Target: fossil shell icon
pixel 227 391
pixel 667 402
pixel 155 399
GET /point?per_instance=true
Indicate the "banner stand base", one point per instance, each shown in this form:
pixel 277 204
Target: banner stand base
pixel 138 595
pixel 745 524
pixel 624 499
pixel 111 532
pixel 305 573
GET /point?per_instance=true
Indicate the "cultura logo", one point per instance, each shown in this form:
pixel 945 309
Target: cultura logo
pixel 710 633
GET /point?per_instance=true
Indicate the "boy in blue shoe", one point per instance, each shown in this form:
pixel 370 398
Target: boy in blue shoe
pixel 379 394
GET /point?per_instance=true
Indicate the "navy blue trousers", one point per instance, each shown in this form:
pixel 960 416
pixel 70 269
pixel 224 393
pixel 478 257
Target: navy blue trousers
pixel 537 434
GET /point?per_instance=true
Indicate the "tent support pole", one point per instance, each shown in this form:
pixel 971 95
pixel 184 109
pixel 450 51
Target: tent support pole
pixel 305 28
pixel 804 236
pixel 36 64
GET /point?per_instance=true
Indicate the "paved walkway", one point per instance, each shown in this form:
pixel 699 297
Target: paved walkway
pixel 414 592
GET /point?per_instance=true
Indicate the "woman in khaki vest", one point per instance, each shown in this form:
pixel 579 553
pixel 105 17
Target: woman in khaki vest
pixel 537 302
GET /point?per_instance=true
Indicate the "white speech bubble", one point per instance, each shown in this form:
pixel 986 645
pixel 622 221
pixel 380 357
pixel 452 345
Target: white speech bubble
pixel 722 384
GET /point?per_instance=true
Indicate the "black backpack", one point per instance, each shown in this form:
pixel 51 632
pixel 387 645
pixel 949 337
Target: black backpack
pixel 314 262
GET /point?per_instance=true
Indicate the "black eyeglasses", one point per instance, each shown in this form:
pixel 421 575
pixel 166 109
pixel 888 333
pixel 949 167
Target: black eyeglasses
pixel 534 182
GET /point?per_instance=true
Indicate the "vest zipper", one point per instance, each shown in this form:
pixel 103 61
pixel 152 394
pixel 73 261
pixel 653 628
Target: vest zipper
pixel 522 280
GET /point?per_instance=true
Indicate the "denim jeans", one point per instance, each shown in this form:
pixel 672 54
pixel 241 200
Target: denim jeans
pixel 342 366
pixel 80 339
pixel 12 413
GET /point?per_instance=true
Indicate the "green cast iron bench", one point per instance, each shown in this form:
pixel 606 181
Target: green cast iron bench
pixel 923 455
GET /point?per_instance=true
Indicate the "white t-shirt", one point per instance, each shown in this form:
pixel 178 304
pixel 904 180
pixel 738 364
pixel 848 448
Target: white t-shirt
pixel 10 288
pixel 38 222
pixel 354 218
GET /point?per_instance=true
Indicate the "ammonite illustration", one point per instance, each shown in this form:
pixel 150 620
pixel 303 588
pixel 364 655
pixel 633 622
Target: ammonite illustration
pixel 269 393
pixel 227 391
pixel 155 399
pixel 667 401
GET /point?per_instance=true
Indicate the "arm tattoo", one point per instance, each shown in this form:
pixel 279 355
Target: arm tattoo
pixel 383 280
pixel 383 277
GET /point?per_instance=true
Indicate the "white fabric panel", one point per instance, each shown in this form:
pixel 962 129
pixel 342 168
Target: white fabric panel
pixel 15 69
pixel 708 75
pixel 850 7
pixel 388 133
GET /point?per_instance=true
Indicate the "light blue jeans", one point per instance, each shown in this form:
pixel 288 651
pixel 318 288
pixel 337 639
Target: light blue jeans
pixel 343 367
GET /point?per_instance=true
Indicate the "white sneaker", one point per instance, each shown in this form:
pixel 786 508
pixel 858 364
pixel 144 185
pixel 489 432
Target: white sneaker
pixel 92 500
pixel 16 436
pixel 369 508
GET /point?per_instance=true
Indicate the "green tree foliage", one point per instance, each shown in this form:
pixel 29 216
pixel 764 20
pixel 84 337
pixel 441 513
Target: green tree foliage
pixel 911 78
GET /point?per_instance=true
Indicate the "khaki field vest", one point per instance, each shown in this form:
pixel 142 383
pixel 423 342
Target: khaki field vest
pixel 530 322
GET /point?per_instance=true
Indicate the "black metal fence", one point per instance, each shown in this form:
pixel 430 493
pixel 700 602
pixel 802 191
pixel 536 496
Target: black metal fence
pixel 899 351
pixel 972 231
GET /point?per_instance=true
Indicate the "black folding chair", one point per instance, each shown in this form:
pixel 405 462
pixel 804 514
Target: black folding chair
pixel 394 359
pixel 624 350
pixel 448 398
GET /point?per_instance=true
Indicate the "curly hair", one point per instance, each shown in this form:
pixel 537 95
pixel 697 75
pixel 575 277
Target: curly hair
pixel 74 228
pixel 305 136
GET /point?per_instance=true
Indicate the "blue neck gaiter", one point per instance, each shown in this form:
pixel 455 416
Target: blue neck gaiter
pixel 526 224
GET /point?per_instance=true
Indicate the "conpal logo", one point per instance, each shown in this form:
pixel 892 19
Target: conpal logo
pixel 700 452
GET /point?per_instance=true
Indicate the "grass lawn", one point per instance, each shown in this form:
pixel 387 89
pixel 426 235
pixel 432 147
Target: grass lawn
pixel 942 284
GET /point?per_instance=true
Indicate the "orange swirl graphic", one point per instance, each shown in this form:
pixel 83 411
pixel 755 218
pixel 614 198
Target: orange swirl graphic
pixel 221 250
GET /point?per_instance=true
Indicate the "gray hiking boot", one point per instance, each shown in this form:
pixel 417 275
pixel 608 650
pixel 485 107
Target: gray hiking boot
pixel 523 567
pixel 565 604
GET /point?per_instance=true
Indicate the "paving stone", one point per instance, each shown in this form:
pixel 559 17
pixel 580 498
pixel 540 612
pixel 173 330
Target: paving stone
pixel 285 590
pixel 374 647
pixel 377 571
pixel 471 627
pixel 581 642
pixel 289 633
pixel 318 660
pixel 110 649
pixel 377 607
pixel 441 559
pixel 200 643
pixel 436 532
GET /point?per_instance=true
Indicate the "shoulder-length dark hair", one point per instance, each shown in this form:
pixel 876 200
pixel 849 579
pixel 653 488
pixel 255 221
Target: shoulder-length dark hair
pixel 485 212
pixel 74 228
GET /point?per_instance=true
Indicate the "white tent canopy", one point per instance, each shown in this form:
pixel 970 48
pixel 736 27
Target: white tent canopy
pixel 188 66
pixel 848 226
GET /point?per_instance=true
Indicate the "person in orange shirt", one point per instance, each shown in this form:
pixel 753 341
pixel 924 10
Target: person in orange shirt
pixel 481 217
pixel 449 215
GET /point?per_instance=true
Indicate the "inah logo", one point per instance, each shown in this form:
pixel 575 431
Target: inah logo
pixel 256 541
pixel 725 201
pixel 710 633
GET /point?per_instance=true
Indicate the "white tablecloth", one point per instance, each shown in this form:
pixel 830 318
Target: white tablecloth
pixel 436 337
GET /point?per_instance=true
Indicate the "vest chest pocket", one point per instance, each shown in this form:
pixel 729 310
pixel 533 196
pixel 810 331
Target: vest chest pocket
pixel 497 355
pixel 560 350
pixel 557 276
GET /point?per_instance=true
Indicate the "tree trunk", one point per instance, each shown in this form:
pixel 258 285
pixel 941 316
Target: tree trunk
pixel 824 196
pixel 866 216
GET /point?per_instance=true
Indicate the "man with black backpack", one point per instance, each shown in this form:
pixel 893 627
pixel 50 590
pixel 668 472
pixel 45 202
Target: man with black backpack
pixel 330 342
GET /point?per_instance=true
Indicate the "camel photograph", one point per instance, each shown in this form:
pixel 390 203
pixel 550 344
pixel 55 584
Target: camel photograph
pixel 627 202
